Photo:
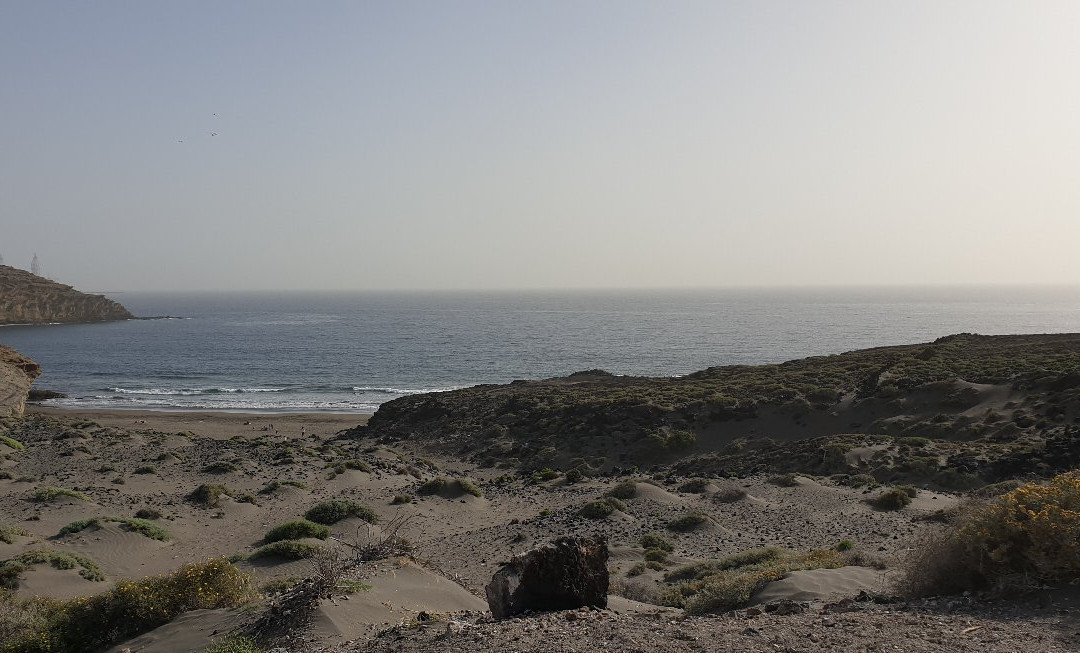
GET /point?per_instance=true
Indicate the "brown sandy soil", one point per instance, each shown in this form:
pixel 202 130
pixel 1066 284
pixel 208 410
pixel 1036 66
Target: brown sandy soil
pixel 462 536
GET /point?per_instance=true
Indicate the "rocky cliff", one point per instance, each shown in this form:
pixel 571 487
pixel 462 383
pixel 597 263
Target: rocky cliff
pixel 17 372
pixel 29 299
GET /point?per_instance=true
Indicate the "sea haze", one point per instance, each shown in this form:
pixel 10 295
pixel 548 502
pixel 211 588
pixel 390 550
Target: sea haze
pixel 350 352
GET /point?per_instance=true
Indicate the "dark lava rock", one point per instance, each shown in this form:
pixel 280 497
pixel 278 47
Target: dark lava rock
pixel 567 573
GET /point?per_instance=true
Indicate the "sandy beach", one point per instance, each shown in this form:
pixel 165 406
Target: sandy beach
pixel 213 424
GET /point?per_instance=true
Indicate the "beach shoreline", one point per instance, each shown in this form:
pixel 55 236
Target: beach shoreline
pixel 211 423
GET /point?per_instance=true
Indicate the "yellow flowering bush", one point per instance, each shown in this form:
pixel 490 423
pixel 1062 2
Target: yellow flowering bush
pixel 1032 531
pixel 130 608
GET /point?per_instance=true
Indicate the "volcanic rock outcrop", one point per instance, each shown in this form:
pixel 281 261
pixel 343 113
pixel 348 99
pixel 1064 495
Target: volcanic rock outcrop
pixel 17 372
pixel 564 574
pixel 26 298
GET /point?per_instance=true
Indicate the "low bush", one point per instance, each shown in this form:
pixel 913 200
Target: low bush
pixel 468 487
pixel 1029 532
pixel 784 480
pixel 729 493
pixel 656 541
pixel 288 549
pixel 297 530
pixel 11 568
pixel 208 494
pixel 688 522
pixel 145 469
pixel 49 494
pixel 233 644
pixel 331 512
pixel 891 499
pixel 624 490
pixel 220 467
pixel 433 486
pixel 80 525
pixel 147 513
pixel 401 499
pixel 695 485
pixel 8 533
pixel 601 508
pixel 12 442
pixel 729 583
pixel 132 607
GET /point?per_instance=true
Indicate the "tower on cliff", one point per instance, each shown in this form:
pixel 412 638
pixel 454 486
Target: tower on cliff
pixel 35 266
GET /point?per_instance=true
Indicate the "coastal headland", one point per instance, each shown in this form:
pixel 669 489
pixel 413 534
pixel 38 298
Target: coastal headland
pixel 798 506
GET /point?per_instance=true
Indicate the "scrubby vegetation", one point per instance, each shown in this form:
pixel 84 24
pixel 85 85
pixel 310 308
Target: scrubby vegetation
pixel 440 485
pixel 1028 533
pixel 728 583
pixel 130 608
pixel 296 530
pixel 12 568
pixel 209 494
pixel 601 508
pixel 49 494
pixel 12 442
pixel 688 522
pixel 624 490
pixel 8 533
pixel 134 524
pixel 545 425
pixel 892 499
pixel 221 467
pixel 288 549
pixel 331 512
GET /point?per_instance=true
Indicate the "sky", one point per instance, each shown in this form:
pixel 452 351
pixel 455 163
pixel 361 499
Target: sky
pixel 277 145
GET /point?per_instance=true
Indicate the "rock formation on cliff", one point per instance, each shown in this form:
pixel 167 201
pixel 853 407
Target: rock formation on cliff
pixel 17 372
pixel 29 299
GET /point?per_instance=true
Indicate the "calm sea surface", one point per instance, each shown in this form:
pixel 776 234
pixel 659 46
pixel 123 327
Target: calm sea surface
pixel 353 351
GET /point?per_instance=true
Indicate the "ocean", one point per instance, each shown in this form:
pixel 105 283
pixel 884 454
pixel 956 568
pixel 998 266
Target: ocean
pixel 350 352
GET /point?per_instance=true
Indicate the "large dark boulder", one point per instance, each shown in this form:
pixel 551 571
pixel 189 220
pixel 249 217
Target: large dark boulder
pixel 567 573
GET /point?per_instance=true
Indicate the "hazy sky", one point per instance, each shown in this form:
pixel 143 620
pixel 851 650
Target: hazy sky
pixel 539 144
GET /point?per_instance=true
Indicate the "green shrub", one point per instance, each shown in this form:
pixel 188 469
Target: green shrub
pixel 130 608
pixel 624 490
pixel 602 508
pixel 12 442
pixel 220 467
pixel 80 525
pixel 296 530
pixel 720 585
pixel 891 499
pixel 142 527
pixel 49 494
pixel 274 486
pixel 784 480
pixel 12 567
pixel 574 476
pixel 288 549
pixel 844 545
pixel 545 474
pixel 401 498
pixel 468 487
pixel 233 644
pixel 656 555
pixel 8 533
pixel 209 494
pixel 331 512
pixel 695 485
pixel 147 513
pixel 688 522
pixel 656 541
pixel 433 486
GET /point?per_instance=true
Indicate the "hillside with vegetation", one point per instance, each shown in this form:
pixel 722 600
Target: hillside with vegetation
pixel 958 412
